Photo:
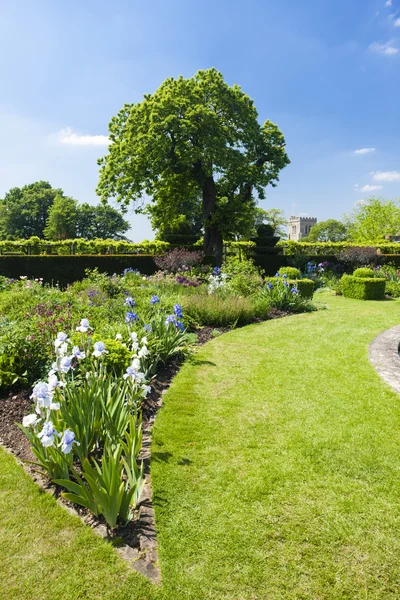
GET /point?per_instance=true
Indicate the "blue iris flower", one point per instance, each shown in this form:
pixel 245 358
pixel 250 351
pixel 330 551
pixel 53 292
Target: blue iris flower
pixel 155 300
pixel 131 317
pixel 178 311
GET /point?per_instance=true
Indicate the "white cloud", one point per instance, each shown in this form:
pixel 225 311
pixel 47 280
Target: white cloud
pixel 67 136
pixel 388 3
pixel 385 49
pixel 386 175
pixel 364 151
pixel 397 23
pixel 370 188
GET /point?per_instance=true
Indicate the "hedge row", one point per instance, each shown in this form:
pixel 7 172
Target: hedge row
pixel 36 246
pixel 67 269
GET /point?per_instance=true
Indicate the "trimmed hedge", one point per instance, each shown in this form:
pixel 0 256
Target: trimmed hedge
pixel 364 272
pixel 67 269
pixel 363 288
pixel 291 272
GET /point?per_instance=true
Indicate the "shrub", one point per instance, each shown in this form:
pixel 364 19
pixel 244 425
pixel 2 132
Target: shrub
pixel 364 272
pixel 358 256
pixel 215 311
pixel 283 294
pixel 363 288
pixel 179 259
pixel 291 272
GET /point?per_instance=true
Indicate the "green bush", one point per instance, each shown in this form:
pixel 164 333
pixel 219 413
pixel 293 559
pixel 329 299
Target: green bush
pixel 363 288
pixel 291 272
pixel 364 272
pixel 215 311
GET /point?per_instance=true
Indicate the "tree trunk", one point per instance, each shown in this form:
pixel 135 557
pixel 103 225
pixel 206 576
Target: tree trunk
pixel 213 243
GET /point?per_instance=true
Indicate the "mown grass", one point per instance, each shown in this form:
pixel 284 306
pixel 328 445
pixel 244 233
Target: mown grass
pixel 276 471
pixel 276 463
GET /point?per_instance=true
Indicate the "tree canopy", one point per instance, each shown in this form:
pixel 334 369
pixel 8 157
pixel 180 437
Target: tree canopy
pixel 24 211
pixel 39 210
pixel 327 231
pixel 194 138
pixel 373 219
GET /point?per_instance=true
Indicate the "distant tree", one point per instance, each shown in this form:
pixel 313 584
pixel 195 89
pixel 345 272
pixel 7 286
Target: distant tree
pixel 276 218
pixel 194 134
pixel 62 220
pixel 24 211
pixel 373 219
pixel 100 221
pixel 327 231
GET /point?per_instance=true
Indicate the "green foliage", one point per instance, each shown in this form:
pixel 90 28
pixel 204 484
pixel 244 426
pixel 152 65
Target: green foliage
pixel 214 311
pixel 24 211
pixel 100 222
pixel 305 286
pixel 286 295
pixel 364 272
pixel 291 272
pixel 363 288
pixel 62 219
pixel 118 358
pixel 103 488
pixel 374 219
pixel 194 138
pixel 391 273
pixel 327 231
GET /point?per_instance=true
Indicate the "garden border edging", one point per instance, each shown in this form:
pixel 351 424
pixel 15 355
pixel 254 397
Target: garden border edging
pixel 384 357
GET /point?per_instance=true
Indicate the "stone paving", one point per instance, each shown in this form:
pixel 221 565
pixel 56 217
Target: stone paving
pixel 383 355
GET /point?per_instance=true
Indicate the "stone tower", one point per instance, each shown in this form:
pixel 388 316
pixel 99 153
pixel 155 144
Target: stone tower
pixel 299 227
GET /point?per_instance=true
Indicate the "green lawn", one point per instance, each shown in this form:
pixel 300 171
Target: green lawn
pixel 276 469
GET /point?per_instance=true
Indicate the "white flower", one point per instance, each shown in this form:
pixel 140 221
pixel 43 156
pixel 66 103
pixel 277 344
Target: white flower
pixel 135 346
pixel 54 406
pixel 53 382
pixel 118 336
pixel 99 349
pixel 77 353
pixel 144 341
pixel 29 420
pixel 62 350
pixel 136 364
pixel 146 390
pixel 65 364
pixel 47 434
pixel 61 338
pixel 84 326
pixel 134 336
pixel 143 352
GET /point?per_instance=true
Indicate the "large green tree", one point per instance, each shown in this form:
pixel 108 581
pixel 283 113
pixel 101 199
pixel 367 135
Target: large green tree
pixel 100 221
pixel 327 231
pixel 24 211
pixel 373 219
pixel 62 220
pixel 195 135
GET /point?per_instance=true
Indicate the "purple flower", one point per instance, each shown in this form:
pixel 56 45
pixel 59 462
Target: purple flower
pixel 155 300
pixel 216 271
pixel 269 285
pixel 99 349
pixel 277 274
pixel 46 436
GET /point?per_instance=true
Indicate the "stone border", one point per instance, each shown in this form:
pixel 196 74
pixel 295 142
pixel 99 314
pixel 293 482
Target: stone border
pixel 384 357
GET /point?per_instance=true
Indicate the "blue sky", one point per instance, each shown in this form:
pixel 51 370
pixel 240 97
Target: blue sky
pixel 328 73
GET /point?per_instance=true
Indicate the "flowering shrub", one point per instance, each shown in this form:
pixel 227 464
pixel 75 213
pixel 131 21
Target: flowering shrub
pixel 282 294
pixel 179 259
